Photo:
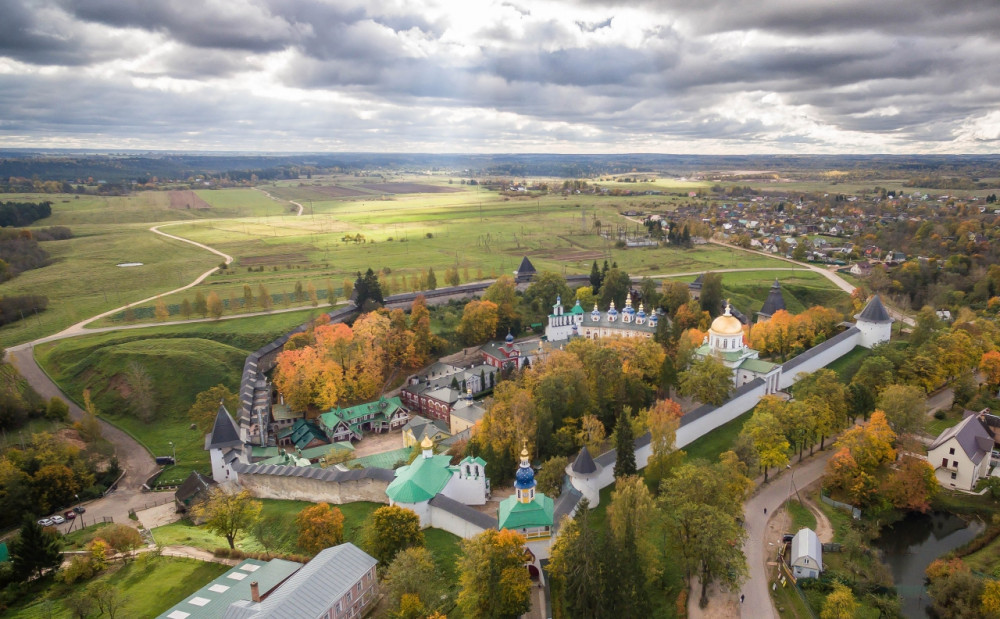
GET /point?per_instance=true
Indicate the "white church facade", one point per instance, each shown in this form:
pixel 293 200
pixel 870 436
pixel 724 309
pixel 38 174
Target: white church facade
pixel 576 323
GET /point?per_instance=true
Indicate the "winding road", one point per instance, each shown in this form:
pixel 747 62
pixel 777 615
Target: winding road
pixel 132 455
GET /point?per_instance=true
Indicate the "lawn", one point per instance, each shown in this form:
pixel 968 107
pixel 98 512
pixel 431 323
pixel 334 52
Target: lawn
pixel 178 369
pixel 181 360
pixel 75 540
pixel 847 366
pixel 83 280
pixel 186 534
pixel 481 232
pixel 802 518
pixel 718 441
pixel 935 427
pixel 149 588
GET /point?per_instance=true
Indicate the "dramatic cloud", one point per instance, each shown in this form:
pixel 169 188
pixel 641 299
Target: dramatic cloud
pixel 501 75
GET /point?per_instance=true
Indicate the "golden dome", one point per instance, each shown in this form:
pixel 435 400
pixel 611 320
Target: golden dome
pixel 427 443
pixel 727 324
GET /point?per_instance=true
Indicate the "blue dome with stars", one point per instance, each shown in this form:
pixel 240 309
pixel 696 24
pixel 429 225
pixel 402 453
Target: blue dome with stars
pixel 509 338
pixel 524 478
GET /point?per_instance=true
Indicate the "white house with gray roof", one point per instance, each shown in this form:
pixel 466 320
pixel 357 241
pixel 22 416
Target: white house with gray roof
pixel 961 454
pixel 807 554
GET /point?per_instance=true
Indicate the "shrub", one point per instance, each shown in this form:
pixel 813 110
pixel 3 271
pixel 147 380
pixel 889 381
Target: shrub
pixel 80 568
pixel 682 604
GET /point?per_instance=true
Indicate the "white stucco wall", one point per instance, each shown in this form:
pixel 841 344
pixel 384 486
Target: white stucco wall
pixel 723 414
pixel 440 519
pixel 874 333
pixel 466 490
pixel 421 509
pixel 821 360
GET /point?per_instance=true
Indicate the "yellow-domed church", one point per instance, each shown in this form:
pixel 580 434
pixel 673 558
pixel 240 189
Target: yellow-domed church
pixel 725 343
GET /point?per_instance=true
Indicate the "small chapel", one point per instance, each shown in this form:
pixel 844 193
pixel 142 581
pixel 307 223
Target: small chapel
pixel 530 513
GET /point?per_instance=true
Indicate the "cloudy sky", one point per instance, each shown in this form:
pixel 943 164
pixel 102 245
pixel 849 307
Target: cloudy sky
pixel 601 76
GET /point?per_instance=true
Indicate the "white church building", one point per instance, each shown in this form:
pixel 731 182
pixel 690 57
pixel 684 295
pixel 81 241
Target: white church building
pixel 725 342
pixel 576 323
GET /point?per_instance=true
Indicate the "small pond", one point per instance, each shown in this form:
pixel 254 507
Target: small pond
pixel 911 544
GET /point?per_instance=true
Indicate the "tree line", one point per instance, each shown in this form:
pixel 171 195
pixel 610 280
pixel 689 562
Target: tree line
pixel 20 214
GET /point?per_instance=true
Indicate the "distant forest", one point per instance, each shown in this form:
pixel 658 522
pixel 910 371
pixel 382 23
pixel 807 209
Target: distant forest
pixel 19 170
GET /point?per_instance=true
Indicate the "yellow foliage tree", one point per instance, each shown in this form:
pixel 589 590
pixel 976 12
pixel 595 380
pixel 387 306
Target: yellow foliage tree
pixel 320 526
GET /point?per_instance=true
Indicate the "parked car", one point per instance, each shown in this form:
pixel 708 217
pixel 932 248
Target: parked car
pixel 787 538
pixel 70 514
pixel 58 519
pixel 79 509
pixel 45 522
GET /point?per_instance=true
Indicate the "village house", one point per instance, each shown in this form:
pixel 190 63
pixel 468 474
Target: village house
pixel 806 558
pixel 962 454
pixel 193 491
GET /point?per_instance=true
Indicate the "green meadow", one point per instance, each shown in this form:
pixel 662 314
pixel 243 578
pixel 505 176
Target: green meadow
pixel 181 361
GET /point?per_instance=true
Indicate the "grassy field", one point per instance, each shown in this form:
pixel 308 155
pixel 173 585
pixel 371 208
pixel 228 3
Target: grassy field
pixel 181 360
pixel 83 279
pixel 480 231
pixel 149 588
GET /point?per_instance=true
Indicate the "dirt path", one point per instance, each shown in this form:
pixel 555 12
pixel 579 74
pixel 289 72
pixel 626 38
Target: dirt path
pixel 824 530
pixel 280 200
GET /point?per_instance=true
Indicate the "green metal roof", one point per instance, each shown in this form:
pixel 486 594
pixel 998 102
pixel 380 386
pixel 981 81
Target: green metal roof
pixel 322 450
pixel 729 355
pixel 352 413
pixel 471 460
pixel 285 459
pixel 758 366
pixel 421 480
pixel 516 515
pixel 384 460
pixel 576 309
pixel 263 452
pixel 212 600
pixel 305 432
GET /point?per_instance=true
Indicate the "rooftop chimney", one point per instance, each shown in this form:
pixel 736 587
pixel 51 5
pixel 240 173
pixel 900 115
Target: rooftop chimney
pixel 254 591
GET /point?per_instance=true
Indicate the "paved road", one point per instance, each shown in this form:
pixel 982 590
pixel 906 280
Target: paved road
pixel 758 601
pixel 132 456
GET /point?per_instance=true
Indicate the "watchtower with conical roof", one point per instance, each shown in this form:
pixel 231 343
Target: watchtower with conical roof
pixel 874 322
pixel 224 446
pixel 774 302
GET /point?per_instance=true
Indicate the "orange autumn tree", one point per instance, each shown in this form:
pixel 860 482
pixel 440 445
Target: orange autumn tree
pixel 308 379
pixel 989 365
pixel 332 363
pixel 863 456
pixel 911 485
pixel 320 526
pixel 786 333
